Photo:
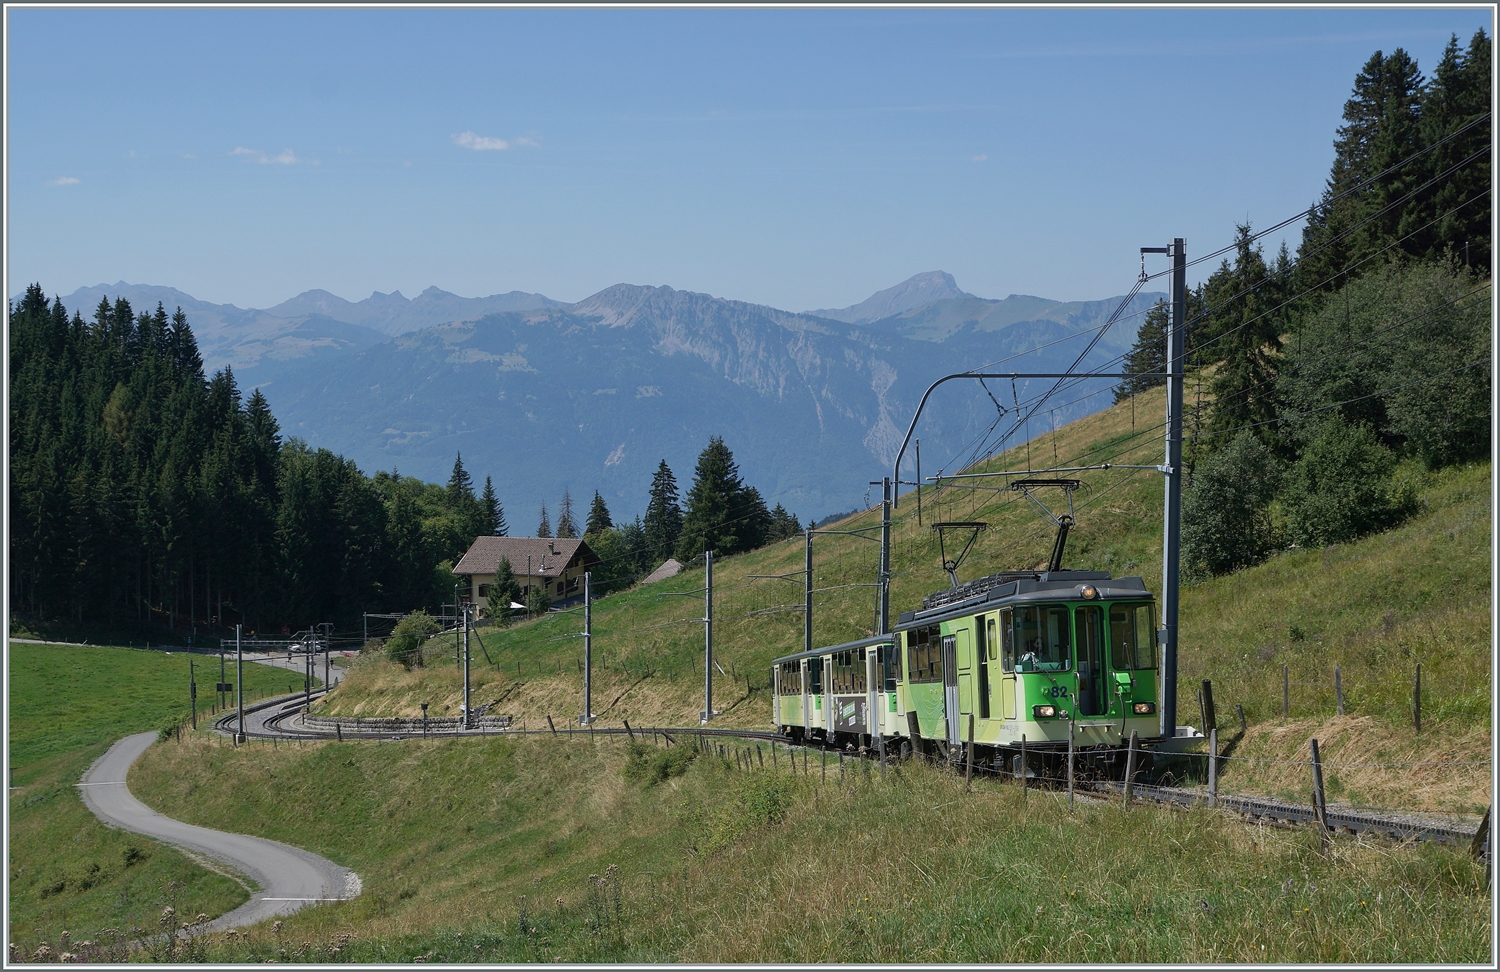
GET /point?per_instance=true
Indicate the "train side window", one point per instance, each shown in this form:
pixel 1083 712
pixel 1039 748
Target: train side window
pixel 1007 643
pixel 990 639
pixel 861 673
pixel 1133 636
pixel 815 676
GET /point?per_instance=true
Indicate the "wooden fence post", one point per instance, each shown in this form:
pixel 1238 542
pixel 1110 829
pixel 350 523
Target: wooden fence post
pixel 1338 687
pixel 551 726
pixel 1241 710
pixel 1285 694
pixel 1129 766
pixel 969 769
pixel 1416 700
pixel 1070 760
pixel 1213 767
pixel 1320 800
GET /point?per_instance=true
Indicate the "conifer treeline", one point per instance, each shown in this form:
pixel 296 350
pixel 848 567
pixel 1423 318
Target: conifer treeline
pixel 142 491
pixel 1369 352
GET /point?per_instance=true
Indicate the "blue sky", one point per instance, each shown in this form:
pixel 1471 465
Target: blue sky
pixel 799 158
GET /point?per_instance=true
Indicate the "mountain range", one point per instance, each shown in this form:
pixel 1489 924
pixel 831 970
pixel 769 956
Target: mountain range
pixel 543 395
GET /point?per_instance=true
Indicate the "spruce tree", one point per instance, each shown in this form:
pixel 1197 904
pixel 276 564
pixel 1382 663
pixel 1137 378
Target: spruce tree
pixel 663 523
pixel 503 592
pixel 708 523
pixel 494 515
pixel 567 529
pixel 1148 355
pixel 544 528
pixel 1244 318
pixel 599 519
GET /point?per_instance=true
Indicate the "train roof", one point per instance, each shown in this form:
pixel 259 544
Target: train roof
pixel 846 646
pixel 1021 586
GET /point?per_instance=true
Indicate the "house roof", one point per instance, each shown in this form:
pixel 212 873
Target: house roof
pixel 669 568
pixel 549 557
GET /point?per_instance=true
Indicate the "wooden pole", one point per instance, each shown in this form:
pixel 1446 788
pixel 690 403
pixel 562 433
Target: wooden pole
pixel 1241 710
pixel 1213 767
pixel 1285 694
pixel 1130 766
pixel 1070 762
pixel 969 768
pixel 1416 700
pixel 1338 688
pixel 1320 803
pixel 551 726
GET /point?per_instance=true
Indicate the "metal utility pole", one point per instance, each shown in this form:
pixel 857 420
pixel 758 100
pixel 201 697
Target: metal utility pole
pixel 239 679
pixel 193 692
pixel 708 636
pixel 884 625
pixel 307 672
pixel 468 715
pixel 1172 472
pixel 327 649
pixel 588 651
pixel 220 686
pixel 807 592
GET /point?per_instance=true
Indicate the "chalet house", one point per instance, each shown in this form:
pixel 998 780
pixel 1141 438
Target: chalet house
pixel 558 565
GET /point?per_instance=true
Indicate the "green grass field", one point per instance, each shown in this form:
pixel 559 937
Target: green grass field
pixel 1374 608
pixel 67 870
pixel 530 850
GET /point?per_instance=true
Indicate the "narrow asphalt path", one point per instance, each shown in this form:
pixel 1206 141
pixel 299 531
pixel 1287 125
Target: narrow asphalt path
pixel 289 878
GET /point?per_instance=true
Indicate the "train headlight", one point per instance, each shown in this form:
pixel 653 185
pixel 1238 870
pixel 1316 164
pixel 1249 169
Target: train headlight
pixel 1090 592
pixel 1144 708
pixel 1044 711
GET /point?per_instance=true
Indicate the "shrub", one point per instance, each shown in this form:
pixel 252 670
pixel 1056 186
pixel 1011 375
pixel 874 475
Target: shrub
pixel 646 765
pixel 405 643
pixel 1226 521
pixel 1343 487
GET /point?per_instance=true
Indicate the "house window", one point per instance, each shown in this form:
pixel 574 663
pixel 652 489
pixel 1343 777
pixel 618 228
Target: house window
pixel 484 590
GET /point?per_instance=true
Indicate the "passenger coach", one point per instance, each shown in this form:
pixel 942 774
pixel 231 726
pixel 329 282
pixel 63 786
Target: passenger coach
pixel 1018 655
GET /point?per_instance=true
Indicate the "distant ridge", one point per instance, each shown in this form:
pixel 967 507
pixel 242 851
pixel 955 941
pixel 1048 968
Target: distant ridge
pixel 913 292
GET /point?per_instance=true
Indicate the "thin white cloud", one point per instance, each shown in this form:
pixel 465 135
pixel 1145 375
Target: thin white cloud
pixel 287 156
pixel 63 181
pixel 529 140
pixel 480 143
pixel 979 158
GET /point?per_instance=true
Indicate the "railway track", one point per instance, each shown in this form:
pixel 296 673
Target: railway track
pixel 279 718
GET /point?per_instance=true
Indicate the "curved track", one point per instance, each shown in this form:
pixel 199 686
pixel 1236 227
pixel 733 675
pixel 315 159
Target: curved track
pixel 289 878
pixel 281 719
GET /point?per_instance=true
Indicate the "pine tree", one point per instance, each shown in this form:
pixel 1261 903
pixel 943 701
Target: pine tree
pixel 1244 318
pixel 1457 95
pixel 708 523
pixel 599 519
pixel 544 528
pixel 663 522
pixel 460 484
pixel 503 592
pixel 1148 355
pixel 567 529
pixel 494 515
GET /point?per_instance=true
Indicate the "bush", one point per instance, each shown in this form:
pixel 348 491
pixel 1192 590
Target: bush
pixel 1343 487
pixel 1226 521
pixel 646 765
pixel 405 643
pixel 538 602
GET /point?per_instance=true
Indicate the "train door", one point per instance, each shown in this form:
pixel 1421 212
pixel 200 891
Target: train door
pixel 984 647
pixel 872 683
pixel 950 686
pixel 1093 698
pixel 806 698
pixel 776 695
pixel 1007 667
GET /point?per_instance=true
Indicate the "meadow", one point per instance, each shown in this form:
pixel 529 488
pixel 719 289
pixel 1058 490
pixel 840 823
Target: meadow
pixel 69 872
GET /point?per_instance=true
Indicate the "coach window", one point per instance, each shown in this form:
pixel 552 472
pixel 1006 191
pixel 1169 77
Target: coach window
pixel 1007 643
pixel 815 676
pixel 1132 636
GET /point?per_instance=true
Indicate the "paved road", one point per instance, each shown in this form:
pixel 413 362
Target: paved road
pixel 289 878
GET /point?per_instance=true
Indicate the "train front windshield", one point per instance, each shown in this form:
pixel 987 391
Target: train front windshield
pixel 1042 638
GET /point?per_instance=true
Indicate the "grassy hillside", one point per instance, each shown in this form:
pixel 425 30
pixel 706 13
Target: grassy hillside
pixel 68 870
pixel 526 849
pixel 1418 593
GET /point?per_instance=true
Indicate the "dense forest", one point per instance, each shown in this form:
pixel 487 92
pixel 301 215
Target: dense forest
pixel 144 492
pixel 1319 381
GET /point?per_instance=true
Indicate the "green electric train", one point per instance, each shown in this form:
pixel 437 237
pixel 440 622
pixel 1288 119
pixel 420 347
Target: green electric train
pixel 1015 662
